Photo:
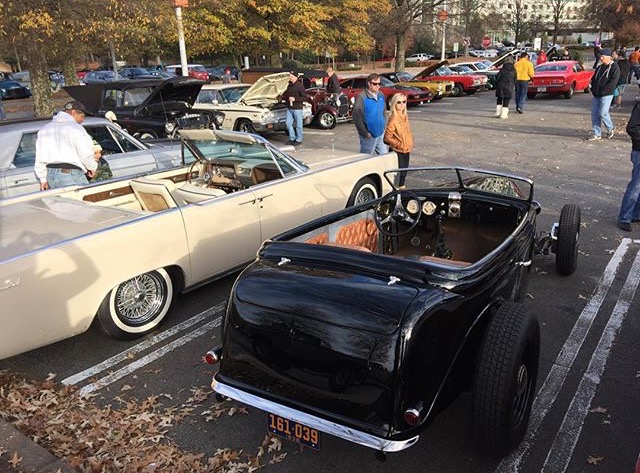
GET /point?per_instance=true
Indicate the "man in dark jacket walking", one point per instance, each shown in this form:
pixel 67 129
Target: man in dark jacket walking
pixel 625 67
pixel 368 115
pixel 603 85
pixel 630 207
pixel 294 97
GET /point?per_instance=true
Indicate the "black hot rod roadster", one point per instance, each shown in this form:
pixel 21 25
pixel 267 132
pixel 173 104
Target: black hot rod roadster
pixel 366 323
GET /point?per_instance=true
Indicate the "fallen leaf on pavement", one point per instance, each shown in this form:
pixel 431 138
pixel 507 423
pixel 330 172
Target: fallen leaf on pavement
pixel 15 460
pixel 599 410
pixel 591 460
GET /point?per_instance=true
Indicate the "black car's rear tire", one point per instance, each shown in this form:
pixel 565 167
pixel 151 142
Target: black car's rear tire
pixel 505 379
pixel 568 239
pixel 531 95
pixel 365 190
pixel 136 306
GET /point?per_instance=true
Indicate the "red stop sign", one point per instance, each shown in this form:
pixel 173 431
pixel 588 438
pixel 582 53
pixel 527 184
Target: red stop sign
pixel 486 42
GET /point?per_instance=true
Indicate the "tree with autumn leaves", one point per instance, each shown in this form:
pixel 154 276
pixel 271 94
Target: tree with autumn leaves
pixel 48 33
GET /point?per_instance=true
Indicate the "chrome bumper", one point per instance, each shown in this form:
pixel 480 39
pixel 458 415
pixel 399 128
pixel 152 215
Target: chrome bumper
pixel 309 420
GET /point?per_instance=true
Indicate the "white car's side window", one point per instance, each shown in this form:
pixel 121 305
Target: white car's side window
pixel 26 153
pixel 101 135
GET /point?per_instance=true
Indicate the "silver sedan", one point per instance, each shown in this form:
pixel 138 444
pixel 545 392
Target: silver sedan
pixel 126 155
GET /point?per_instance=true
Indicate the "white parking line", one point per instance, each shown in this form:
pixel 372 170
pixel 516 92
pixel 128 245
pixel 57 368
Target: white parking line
pixel 127 354
pixel 153 356
pixel 567 437
pixel 318 132
pixel 555 379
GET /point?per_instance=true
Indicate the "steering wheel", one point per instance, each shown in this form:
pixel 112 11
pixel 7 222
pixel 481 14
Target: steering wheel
pixel 390 209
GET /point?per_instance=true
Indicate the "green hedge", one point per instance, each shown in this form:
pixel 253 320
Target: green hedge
pixel 348 67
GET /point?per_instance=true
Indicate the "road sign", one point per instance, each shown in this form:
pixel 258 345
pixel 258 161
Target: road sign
pixel 456 47
pixel 467 41
pixel 443 15
pixel 486 42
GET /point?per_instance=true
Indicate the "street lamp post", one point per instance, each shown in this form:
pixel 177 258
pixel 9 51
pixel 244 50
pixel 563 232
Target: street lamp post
pixel 179 4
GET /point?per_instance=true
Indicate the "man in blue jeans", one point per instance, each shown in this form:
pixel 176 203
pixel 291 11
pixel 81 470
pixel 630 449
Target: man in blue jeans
pixel 524 73
pixel 603 85
pixel 368 116
pixel 294 97
pixel 65 155
pixel 630 207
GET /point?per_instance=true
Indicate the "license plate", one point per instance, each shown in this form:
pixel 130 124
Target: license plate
pixel 542 89
pixel 293 431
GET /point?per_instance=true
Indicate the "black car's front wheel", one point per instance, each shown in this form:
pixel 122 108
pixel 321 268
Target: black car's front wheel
pixel 505 378
pixel 568 239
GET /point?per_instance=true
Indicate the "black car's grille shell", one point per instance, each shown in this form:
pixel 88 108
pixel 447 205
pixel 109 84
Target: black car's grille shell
pixel 194 120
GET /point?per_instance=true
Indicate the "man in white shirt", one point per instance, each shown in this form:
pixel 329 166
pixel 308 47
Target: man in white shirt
pixel 64 150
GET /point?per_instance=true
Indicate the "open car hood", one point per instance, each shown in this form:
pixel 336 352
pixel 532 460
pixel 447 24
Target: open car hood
pixel 176 89
pixel 430 68
pixel 267 87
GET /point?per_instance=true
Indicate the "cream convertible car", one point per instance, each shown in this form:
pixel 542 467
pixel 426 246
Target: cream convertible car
pixel 123 249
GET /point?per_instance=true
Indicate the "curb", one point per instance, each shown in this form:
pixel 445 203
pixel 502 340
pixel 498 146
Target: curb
pixel 34 458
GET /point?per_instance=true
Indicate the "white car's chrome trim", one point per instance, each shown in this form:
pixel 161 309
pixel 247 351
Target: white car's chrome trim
pixel 341 431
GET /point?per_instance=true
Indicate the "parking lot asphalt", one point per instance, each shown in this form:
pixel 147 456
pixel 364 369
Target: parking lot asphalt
pixel 548 144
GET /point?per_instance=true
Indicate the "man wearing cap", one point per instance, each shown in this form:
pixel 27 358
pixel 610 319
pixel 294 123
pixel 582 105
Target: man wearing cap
pixel 603 85
pixel 65 154
pixel 294 97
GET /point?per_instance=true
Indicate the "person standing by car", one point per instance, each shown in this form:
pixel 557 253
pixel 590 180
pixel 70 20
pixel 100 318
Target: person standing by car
pixel 65 155
pixel 630 207
pixel 597 52
pixel 505 81
pixel 333 84
pixel 524 73
pixel 542 57
pixel 368 116
pixel 603 85
pixel 625 67
pixel 398 134
pixel 294 96
pixel 634 60
pixel 3 116
pixel 226 77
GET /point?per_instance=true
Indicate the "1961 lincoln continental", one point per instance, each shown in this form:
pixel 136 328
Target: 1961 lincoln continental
pixel 121 250
pixel 366 323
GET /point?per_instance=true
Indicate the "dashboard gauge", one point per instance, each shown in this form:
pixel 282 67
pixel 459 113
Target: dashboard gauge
pixel 428 208
pixel 413 207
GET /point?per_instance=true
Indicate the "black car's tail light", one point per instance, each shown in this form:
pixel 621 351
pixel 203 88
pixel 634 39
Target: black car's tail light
pixel 213 356
pixel 413 415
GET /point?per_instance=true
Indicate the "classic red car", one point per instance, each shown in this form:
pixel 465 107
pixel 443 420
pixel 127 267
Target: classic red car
pixel 352 86
pixel 467 83
pixel 560 77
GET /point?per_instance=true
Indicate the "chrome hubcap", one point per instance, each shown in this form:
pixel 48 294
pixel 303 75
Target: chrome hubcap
pixel 139 299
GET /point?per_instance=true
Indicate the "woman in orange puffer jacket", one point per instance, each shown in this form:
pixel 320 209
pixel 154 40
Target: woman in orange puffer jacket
pixel 398 133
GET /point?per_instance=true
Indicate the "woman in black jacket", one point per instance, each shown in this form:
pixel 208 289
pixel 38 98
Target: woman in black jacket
pixel 505 82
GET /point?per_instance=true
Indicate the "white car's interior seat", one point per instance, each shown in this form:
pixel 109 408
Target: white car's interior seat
pixel 154 195
pixel 191 194
pixel 264 173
